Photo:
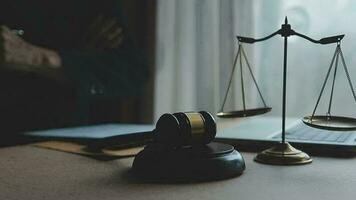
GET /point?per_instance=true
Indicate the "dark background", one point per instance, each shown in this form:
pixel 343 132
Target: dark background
pixel 137 17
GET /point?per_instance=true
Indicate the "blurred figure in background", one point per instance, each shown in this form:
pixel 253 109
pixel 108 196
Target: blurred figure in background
pixel 73 56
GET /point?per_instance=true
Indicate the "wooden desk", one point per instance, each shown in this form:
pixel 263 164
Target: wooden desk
pixel 28 172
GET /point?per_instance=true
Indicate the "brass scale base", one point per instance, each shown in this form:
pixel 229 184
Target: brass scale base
pixel 283 154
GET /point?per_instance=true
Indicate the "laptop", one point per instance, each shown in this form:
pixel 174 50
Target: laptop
pixel 259 133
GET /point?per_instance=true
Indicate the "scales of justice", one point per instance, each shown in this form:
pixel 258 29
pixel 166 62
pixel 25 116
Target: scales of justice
pixel 283 153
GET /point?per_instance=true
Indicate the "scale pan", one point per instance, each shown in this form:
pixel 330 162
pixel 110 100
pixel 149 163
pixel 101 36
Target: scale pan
pixel 334 123
pixel 244 113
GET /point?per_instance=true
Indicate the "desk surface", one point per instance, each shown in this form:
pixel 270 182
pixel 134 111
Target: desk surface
pixel 28 172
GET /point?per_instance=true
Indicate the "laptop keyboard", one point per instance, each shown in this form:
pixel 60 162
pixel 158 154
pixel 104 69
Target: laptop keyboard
pixel 302 132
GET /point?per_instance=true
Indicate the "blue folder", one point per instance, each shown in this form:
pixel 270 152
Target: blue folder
pixel 101 135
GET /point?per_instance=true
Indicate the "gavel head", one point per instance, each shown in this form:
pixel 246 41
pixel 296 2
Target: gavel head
pixel 185 129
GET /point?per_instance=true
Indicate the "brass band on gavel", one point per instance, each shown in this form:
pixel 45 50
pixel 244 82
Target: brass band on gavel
pixel 184 129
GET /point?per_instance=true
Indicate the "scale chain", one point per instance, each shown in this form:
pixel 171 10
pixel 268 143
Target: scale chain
pixel 253 77
pixel 232 75
pixel 333 84
pixel 242 81
pixel 324 84
pixel 347 74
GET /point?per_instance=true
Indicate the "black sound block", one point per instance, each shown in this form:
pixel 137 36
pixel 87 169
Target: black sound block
pixel 213 161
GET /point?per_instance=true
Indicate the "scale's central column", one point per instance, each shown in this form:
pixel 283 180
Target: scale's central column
pixel 284 153
pixel 286 31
